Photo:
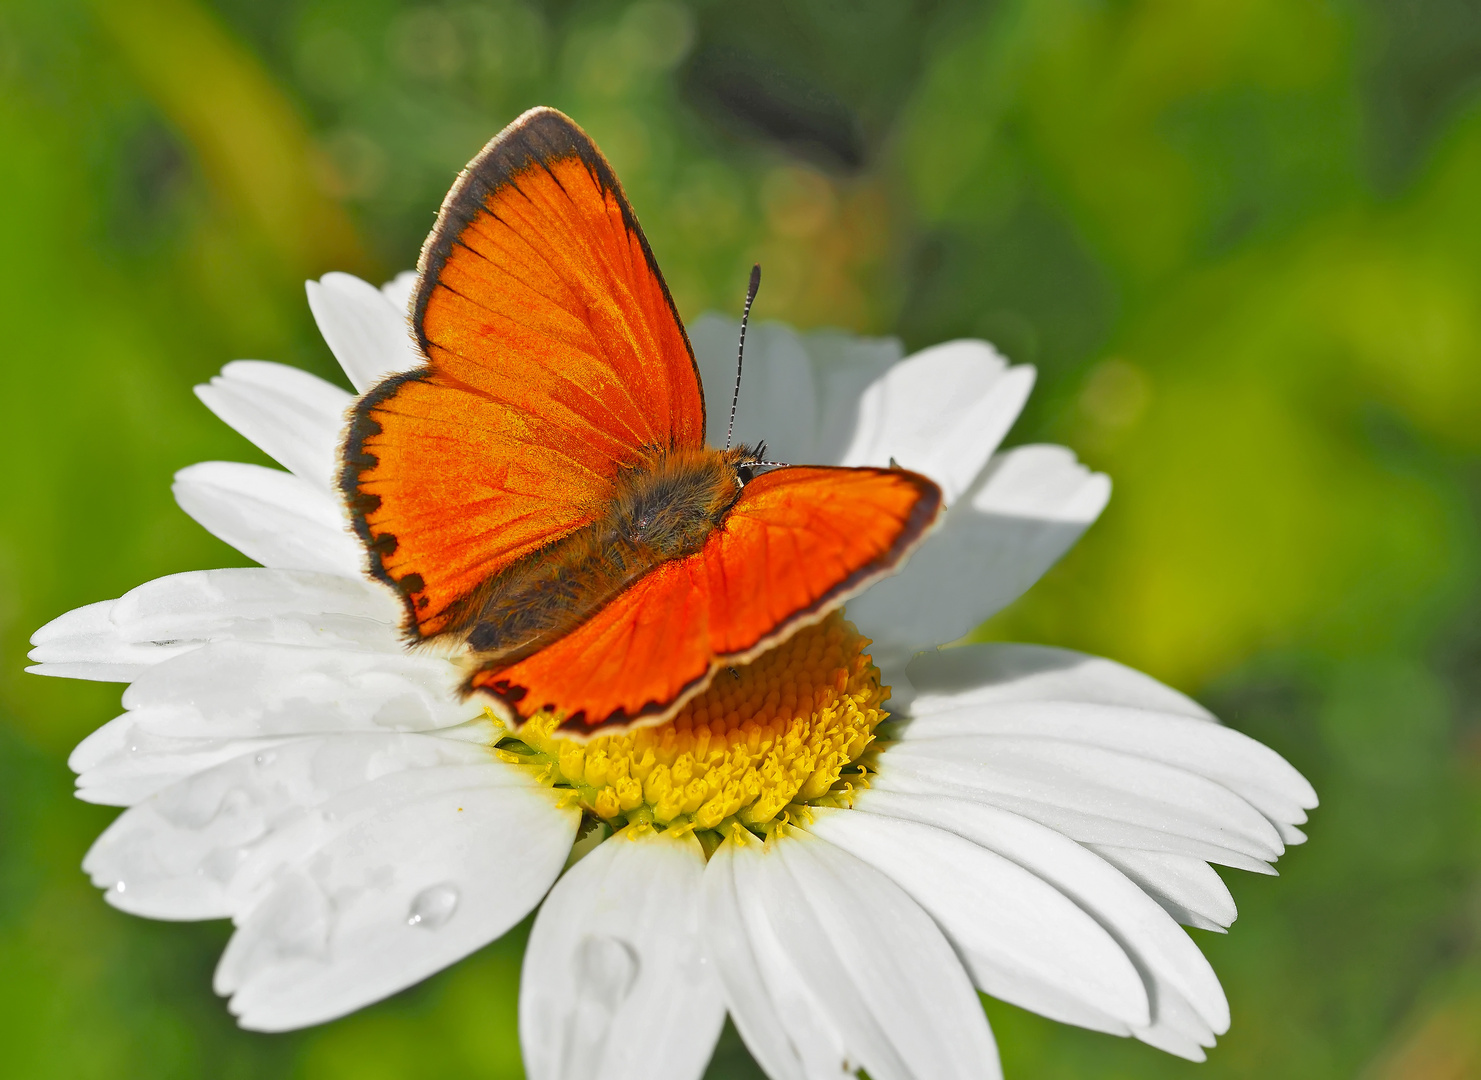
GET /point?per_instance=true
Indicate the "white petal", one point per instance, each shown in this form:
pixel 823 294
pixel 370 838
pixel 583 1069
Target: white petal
pixel 1289 834
pixel 800 392
pixel 1054 693
pixel 1188 889
pixel 1179 1028
pixel 778 396
pixel 941 412
pixel 118 640
pixel 829 934
pixel 85 644
pixel 779 1018
pixel 988 674
pixel 90 620
pixel 402 893
pixel 208 846
pixel 271 516
pixel 1021 939
pixel 246 689
pixel 122 764
pixel 1032 503
pixel 297 418
pixel 844 367
pixel 289 607
pixel 398 290
pixel 368 333
pixel 1090 794
pixel 1248 768
pixel 1188 1003
pixel 615 984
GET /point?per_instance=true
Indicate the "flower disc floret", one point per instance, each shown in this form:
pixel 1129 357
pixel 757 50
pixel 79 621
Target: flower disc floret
pixel 787 728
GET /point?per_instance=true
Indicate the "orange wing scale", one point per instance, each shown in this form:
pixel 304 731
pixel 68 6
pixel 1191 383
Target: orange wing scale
pixel 799 543
pixel 556 357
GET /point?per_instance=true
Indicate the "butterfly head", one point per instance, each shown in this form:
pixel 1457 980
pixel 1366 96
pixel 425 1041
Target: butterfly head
pixel 748 461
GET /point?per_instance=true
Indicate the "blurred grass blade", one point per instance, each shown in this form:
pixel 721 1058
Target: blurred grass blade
pixel 252 144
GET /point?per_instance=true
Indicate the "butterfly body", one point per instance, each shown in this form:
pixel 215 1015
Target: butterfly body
pixel 540 492
pixel 664 507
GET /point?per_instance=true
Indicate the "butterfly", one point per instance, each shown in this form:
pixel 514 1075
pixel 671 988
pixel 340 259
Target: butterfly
pixel 540 493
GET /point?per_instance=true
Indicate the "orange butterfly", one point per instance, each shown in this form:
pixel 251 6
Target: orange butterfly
pixel 541 490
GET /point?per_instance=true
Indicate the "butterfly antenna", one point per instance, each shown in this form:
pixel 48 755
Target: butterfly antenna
pixel 740 354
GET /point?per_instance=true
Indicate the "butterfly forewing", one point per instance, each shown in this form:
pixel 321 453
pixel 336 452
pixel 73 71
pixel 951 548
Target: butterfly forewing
pixel 555 358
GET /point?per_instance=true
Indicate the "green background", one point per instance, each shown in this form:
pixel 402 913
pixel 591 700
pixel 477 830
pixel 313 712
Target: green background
pixel 1241 239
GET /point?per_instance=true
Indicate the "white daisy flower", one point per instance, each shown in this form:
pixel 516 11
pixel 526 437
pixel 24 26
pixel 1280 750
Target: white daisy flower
pixel 1026 821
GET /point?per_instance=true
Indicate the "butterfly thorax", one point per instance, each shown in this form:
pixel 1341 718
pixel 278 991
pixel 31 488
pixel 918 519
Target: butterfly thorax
pixel 663 507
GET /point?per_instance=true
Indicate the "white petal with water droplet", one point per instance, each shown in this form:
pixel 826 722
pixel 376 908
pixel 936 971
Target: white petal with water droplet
pixel 122 764
pixel 208 845
pixel 246 689
pixel 339 931
pixel 616 985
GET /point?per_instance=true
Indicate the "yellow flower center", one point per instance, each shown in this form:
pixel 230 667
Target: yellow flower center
pixel 787 728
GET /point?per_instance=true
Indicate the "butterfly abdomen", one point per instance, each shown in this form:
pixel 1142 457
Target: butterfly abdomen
pixel 663 508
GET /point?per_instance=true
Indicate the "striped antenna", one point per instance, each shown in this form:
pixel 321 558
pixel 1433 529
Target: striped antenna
pixel 740 354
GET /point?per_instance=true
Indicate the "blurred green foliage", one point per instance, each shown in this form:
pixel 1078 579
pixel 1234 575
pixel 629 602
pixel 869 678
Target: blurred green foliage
pixel 1240 238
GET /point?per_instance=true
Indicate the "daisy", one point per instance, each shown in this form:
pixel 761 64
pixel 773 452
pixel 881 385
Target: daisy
pixel 837 844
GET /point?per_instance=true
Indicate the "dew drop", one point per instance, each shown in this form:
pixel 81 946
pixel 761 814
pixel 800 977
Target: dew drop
pixel 267 757
pixel 433 906
pixel 119 886
pixel 606 968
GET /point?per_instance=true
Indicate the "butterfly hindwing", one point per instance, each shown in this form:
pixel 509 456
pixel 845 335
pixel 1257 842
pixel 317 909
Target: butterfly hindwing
pixel 798 543
pixel 555 359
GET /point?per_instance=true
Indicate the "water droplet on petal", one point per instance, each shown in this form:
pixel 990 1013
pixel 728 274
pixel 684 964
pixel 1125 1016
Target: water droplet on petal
pixel 606 968
pixel 432 907
pixel 234 803
pixel 267 757
pixel 119 886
